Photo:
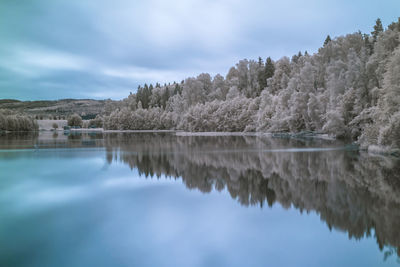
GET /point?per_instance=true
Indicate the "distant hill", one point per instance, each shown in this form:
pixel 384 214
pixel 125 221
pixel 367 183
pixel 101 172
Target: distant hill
pixel 87 108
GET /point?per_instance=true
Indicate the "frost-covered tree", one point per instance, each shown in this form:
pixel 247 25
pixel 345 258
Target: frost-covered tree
pixel 389 104
pixel 193 92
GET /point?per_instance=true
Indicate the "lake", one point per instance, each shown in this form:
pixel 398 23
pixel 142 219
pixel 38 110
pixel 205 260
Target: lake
pixel 158 199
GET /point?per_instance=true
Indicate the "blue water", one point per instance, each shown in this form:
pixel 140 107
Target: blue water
pixel 163 201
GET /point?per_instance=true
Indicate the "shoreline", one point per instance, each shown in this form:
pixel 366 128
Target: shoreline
pixel 371 149
pixel 186 133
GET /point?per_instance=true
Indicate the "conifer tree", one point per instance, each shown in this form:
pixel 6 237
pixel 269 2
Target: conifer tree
pixel 327 40
pixel 378 28
pixel 269 68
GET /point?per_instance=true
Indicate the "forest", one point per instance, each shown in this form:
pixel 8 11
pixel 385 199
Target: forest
pixel 349 88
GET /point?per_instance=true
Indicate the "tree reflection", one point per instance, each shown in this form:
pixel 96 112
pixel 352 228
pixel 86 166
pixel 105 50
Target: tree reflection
pixel 353 192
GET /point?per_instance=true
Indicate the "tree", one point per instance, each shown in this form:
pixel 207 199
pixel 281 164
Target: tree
pixel 96 122
pixel 177 89
pixel 389 104
pixel 378 28
pixel 280 79
pixel 334 124
pixel 243 73
pixel 260 62
pixel 55 126
pixel 391 85
pixel 269 68
pixel 395 26
pixel 193 92
pixel 219 88
pixel 327 40
pixel 266 72
pixel 165 97
pixel 75 121
pixel 369 46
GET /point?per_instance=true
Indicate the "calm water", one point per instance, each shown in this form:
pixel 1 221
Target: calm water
pixel 166 200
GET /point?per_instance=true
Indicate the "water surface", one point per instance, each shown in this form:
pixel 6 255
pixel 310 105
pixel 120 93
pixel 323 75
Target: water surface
pixel 149 199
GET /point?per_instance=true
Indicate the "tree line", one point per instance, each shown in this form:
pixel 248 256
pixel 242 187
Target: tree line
pixel 10 121
pixel 350 88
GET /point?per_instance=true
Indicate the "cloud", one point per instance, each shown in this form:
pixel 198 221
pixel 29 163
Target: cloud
pixel 33 62
pixel 143 74
pixel 65 49
pixel 48 59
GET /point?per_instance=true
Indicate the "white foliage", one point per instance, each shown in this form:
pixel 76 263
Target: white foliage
pixel 350 88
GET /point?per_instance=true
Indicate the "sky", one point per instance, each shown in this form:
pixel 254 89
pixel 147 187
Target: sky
pixel 54 49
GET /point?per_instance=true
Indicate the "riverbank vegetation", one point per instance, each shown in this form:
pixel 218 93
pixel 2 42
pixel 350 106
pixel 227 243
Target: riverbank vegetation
pixel 350 88
pixel 13 122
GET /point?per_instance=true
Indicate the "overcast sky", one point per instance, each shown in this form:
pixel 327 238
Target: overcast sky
pixel 52 49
